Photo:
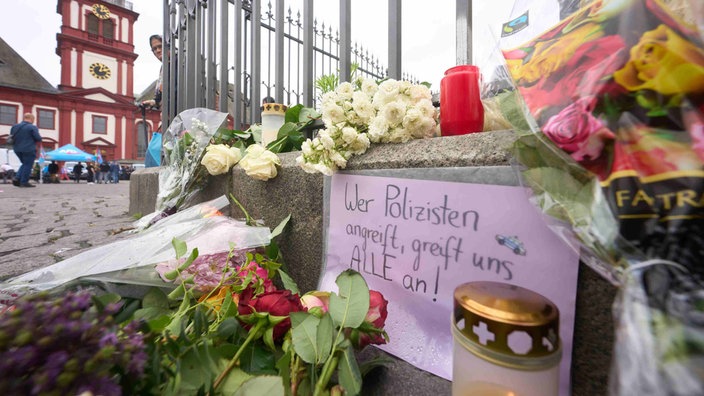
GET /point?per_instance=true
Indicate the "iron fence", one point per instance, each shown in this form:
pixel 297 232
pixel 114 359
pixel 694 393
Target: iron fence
pixel 255 51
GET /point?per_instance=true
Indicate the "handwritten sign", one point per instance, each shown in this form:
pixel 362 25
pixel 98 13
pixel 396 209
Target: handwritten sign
pixel 417 240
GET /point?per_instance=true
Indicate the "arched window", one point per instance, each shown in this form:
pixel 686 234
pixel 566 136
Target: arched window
pixel 109 29
pixel 92 24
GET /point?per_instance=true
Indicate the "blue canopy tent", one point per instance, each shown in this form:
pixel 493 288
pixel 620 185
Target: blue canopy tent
pixel 69 152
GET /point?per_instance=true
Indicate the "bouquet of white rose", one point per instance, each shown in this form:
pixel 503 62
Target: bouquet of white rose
pixel 364 112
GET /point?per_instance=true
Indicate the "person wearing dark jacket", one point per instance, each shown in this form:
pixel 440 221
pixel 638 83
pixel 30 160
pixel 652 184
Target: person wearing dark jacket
pixel 26 136
pixel 77 171
pixel 53 169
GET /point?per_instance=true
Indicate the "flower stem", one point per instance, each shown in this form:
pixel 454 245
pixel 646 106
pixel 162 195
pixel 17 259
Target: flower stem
pixel 325 376
pixel 253 333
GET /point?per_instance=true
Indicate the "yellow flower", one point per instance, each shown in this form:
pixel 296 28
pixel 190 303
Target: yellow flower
pixel 551 55
pixel 664 62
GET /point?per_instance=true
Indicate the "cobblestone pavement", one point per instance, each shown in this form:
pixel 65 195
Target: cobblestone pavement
pixel 43 225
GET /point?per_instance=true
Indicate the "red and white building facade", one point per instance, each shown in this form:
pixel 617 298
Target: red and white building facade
pixel 94 105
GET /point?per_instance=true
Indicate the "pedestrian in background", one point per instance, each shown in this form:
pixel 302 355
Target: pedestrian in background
pixel 25 136
pixel 115 172
pixel 91 171
pixel 8 172
pixel 104 172
pixel 77 171
pixel 53 170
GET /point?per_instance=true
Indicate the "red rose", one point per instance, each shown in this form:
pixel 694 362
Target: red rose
pixel 276 303
pixel 371 331
pixel 587 73
pixel 377 309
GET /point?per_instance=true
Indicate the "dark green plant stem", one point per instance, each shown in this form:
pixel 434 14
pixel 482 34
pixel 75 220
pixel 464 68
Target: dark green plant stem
pixel 253 334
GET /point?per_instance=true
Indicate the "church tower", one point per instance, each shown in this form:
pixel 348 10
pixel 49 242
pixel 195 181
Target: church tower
pixel 96 45
pixel 96 94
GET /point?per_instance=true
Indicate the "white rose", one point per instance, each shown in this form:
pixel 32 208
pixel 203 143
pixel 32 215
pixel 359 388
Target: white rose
pixel 260 163
pixel 345 91
pixel 219 158
pixel 326 140
pixel 349 134
pixel 333 114
pixel 378 128
pixel 418 92
pixel 369 87
pixel 393 113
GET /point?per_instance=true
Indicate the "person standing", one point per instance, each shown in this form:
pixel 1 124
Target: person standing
pixel 114 172
pixel 77 171
pixel 155 42
pixel 91 171
pixel 26 136
pixel 53 172
pixel 8 172
pixel 104 172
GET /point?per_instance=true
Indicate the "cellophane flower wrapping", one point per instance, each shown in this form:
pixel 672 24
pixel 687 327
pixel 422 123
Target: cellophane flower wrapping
pixel 185 143
pixel 132 261
pixel 616 93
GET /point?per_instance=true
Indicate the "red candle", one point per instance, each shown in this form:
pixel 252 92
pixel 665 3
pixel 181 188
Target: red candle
pixel 461 109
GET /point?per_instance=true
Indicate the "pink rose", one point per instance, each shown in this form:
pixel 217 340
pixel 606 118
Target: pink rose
pixel 372 330
pixel 577 131
pixel 316 300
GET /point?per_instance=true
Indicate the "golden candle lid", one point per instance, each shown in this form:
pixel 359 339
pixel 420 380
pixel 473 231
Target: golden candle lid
pixel 507 319
pixel 273 108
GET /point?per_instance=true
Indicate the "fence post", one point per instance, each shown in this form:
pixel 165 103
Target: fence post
pixel 308 87
pixel 255 113
pixel 279 70
pixel 237 80
pixel 395 36
pixel 463 31
pixel 224 70
pixel 345 40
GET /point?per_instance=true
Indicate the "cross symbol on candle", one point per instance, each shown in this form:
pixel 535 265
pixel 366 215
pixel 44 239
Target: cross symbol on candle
pixel 483 333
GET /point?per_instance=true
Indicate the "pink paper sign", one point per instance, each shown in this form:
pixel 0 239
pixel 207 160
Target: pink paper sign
pixel 417 240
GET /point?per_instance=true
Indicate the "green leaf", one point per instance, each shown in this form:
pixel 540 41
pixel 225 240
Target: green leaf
pixel 199 367
pixel 284 367
pixel 279 228
pixel 349 308
pixel 179 246
pixel 159 324
pixel 292 114
pixel 155 298
pixel 228 328
pixel 289 283
pixel 308 115
pixel 304 336
pixel 256 359
pixel 189 260
pixel 262 385
pixel 348 373
pixel 127 311
pixel 103 300
pixel 324 338
pixel 233 382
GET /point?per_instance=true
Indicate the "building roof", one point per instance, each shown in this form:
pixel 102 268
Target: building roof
pixel 15 72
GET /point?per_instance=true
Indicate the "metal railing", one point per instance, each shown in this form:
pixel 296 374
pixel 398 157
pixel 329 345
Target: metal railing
pixel 252 50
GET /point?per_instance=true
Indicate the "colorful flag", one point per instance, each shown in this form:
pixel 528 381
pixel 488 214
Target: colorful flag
pixel 98 157
pixel 42 155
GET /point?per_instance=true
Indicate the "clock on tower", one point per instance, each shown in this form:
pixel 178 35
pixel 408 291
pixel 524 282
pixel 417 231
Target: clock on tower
pixel 101 11
pixel 99 71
